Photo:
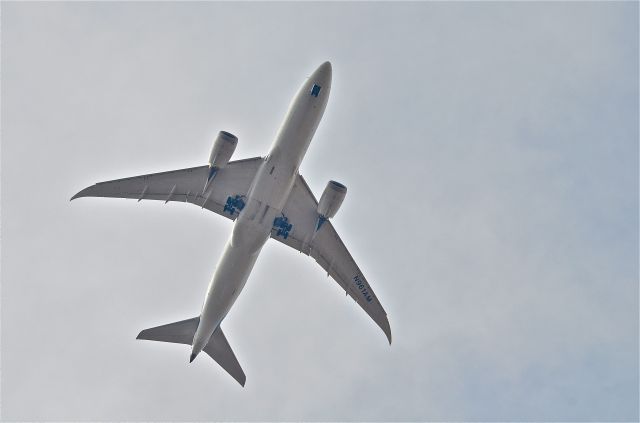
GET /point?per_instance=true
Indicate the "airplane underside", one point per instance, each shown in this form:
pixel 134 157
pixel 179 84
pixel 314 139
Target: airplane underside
pixel 266 198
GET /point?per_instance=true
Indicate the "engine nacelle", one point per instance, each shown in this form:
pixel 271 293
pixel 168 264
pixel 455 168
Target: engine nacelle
pixel 331 199
pixel 223 147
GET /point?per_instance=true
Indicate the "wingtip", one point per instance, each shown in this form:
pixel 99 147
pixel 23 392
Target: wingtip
pixel 386 328
pixel 79 194
pixel 141 335
pixel 241 378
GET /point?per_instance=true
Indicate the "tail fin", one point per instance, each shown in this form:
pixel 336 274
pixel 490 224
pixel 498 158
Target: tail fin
pixel 182 333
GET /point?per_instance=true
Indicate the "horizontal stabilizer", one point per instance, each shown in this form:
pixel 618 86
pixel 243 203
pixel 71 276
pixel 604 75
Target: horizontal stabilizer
pixel 178 333
pixel 219 349
pixel 182 333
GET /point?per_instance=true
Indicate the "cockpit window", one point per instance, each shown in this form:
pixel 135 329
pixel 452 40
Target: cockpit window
pixel 315 90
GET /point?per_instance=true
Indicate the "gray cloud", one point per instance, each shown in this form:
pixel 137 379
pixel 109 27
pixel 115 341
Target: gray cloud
pixel 491 155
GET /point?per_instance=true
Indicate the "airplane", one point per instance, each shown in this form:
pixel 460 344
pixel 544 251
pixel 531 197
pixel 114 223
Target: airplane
pixel 266 198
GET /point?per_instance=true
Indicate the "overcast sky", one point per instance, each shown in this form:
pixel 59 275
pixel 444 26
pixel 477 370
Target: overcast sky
pixel 491 156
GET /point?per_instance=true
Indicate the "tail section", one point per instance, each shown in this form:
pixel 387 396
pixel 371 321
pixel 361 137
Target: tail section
pixel 178 333
pixel 182 333
pixel 218 348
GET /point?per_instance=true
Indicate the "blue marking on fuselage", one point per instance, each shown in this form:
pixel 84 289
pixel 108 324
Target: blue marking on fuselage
pixel 315 90
pixel 283 226
pixel 234 204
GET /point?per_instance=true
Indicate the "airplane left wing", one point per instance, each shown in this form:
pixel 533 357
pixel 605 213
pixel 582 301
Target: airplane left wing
pixel 229 184
pixel 326 247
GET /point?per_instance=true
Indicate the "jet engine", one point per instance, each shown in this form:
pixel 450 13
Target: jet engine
pixel 223 148
pixel 331 199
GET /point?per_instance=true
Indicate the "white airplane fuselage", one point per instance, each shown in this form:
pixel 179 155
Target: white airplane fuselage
pixel 265 200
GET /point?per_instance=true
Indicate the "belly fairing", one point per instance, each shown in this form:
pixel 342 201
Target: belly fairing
pixel 249 235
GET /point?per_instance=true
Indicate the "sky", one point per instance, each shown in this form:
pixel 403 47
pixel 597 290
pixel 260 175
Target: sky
pixel 490 150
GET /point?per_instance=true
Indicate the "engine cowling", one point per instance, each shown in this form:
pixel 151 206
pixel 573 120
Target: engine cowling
pixel 331 199
pixel 222 150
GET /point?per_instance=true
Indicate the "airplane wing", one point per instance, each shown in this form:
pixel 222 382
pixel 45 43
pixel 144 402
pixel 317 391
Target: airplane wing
pixel 326 247
pixel 186 185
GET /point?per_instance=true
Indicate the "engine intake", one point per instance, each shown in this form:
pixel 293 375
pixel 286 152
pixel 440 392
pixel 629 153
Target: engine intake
pixel 331 199
pixel 222 150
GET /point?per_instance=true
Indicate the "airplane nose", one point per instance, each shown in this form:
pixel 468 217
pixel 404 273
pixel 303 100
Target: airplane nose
pixel 324 71
pixel 325 67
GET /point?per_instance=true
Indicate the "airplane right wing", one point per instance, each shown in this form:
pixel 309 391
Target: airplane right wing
pixel 326 247
pixel 229 186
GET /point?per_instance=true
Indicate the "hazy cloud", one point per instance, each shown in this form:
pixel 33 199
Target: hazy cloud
pixel 491 155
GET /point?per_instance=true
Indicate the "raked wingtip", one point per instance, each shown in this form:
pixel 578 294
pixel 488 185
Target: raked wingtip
pixel 80 193
pixel 386 328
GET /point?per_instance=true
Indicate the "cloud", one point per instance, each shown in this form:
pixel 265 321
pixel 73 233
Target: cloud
pixel 491 156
